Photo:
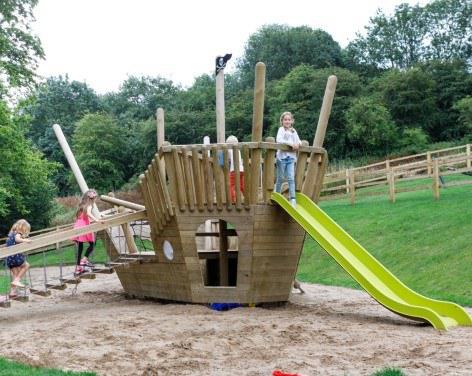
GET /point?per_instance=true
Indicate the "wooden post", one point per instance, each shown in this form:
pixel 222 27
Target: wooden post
pixel 269 168
pixel 257 122
pixel 391 185
pixel 352 187
pixel 436 181
pixel 160 135
pixel 309 185
pixel 73 164
pixel 223 253
pixel 467 152
pixel 325 111
pixel 197 176
pixel 347 181
pixel 428 161
pixel 299 168
pixel 220 107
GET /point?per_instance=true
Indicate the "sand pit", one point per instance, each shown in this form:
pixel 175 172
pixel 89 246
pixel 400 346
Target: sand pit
pixel 327 331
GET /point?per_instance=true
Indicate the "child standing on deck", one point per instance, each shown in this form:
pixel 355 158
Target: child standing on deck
pixel 286 159
pixel 232 176
pixel 83 218
pixel 17 263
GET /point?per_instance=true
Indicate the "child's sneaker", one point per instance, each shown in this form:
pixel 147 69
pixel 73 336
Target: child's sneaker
pixel 86 262
pixel 79 270
pixel 293 202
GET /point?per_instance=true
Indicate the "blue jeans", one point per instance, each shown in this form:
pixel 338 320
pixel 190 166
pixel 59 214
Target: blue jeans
pixel 286 170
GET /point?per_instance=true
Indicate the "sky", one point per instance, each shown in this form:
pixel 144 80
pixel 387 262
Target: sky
pixel 102 42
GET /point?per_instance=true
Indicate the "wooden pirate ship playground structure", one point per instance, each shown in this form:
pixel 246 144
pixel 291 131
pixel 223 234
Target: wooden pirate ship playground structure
pixel 209 247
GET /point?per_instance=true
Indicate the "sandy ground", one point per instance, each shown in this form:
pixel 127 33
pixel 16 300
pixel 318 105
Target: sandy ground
pixel 327 331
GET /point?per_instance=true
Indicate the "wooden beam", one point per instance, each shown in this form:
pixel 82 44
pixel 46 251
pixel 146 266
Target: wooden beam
pixel 68 234
pixel 126 204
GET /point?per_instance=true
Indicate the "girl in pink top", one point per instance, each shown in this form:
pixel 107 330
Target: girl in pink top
pixel 83 218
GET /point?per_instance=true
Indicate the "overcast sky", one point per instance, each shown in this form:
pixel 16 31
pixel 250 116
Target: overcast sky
pixel 101 42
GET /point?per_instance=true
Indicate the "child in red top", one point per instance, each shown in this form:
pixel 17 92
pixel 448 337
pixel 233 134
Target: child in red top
pixel 83 218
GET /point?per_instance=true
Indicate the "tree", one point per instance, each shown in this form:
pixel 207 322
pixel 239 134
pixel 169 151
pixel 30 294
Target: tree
pixel 453 82
pixel 101 152
pixel 57 100
pixel 25 187
pixel 464 108
pixel 194 115
pixel 19 49
pixel 370 128
pixel 138 99
pixel 301 92
pixel 282 48
pixel 409 97
pixel 440 30
pixel 450 30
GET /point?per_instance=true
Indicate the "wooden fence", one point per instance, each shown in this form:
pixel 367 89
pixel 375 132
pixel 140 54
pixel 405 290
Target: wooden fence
pixel 432 164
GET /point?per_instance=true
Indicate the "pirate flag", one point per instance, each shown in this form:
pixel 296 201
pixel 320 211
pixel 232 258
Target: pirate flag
pixel 221 62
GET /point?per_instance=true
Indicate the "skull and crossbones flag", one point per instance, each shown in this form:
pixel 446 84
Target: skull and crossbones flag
pixel 221 61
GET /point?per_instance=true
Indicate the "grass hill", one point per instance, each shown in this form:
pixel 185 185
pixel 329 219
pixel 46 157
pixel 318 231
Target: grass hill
pixel 426 243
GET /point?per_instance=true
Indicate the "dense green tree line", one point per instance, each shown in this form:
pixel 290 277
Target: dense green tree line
pixel 404 83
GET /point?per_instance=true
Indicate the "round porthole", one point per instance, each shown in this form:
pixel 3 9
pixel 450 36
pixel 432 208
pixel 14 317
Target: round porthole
pixel 168 250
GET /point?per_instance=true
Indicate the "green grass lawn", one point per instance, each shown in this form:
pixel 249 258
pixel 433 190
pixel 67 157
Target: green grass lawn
pixel 9 368
pixel 426 243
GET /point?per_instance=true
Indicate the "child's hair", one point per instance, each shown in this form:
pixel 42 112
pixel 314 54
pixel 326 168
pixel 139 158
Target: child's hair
pixel 283 115
pixel 87 200
pixel 231 140
pixel 21 226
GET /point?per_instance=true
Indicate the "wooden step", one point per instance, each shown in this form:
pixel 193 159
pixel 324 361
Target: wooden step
pixel 60 286
pixel 105 270
pixel 40 292
pixel 71 281
pixel 87 275
pixel 20 298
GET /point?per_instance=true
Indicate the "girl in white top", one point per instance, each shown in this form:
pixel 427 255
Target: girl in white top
pixel 232 178
pixel 286 159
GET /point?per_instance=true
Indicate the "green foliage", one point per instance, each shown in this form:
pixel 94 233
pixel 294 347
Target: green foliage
pixel 413 141
pixel 464 107
pixel 440 30
pixel 20 50
pixel 409 97
pixel 194 116
pixel 389 372
pixel 453 81
pixel 282 48
pixel 10 368
pixel 370 128
pixel 56 101
pixel 101 151
pixel 301 92
pixel 25 188
pixel 426 243
pixel 138 99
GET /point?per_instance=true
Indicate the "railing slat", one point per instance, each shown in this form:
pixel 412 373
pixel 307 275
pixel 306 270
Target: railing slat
pixel 189 180
pixel 199 193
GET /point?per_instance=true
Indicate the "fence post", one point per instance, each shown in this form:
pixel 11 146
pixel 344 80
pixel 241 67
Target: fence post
pixel 428 161
pixel 391 185
pixel 467 152
pixel 347 181
pixel 436 179
pixel 352 188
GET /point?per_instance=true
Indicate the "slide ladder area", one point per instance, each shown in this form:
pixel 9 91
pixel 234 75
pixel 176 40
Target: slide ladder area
pixel 377 280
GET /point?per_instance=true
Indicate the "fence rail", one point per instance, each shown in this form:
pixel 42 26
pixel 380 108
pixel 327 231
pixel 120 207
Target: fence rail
pixel 432 164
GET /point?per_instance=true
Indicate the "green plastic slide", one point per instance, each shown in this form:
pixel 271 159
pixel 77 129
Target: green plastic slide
pixel 377 280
